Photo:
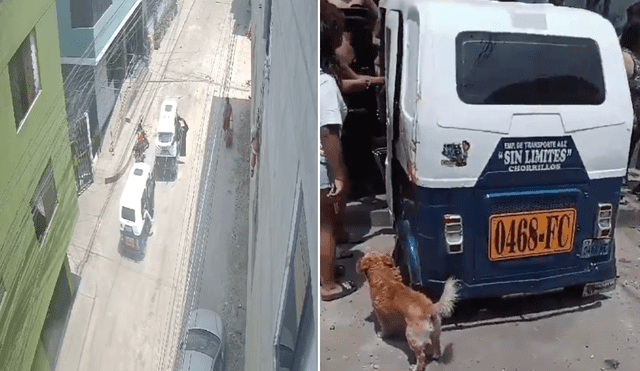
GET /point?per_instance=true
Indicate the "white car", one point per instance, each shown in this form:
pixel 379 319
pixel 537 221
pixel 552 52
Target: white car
pixel 204 344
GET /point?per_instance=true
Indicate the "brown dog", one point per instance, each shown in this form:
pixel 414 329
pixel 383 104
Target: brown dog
pixel 396 305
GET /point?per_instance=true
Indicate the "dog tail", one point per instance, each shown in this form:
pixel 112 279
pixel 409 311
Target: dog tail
pixel 445 305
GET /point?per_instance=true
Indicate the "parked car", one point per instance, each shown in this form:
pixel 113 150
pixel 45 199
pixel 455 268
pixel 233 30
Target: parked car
pixel 204 343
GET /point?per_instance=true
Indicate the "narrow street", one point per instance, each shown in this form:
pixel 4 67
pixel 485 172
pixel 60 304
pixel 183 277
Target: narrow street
pixel 221 233
pixel 129 315
pixel 549 332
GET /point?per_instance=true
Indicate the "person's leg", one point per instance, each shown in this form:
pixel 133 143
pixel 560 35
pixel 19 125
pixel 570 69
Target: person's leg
pixel 328 282
pixel 340 232
pixel 635 137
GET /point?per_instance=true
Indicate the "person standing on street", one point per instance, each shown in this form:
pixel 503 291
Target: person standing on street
pixel 332 170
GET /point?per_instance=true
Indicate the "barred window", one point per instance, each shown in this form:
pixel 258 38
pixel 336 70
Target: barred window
pixel 45 200
pixel 24 80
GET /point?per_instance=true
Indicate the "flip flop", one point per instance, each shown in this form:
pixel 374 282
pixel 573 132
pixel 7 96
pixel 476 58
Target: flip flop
pixel 348 287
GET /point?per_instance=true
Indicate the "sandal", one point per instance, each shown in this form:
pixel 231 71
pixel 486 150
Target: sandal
pixel 348 287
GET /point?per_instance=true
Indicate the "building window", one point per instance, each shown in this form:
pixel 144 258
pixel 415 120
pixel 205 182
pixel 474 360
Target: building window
pixel 45 200
pixel 86 13
pixel 23 76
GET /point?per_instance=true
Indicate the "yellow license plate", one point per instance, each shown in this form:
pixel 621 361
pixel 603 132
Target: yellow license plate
pixel 531 233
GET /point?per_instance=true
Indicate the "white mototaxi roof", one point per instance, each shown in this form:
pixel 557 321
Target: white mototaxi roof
pixel 442 117
pixel 133 192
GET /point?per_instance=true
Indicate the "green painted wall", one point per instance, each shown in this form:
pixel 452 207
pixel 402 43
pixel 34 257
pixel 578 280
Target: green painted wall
pixel 40 362
pixel 74 42
pixel 28 269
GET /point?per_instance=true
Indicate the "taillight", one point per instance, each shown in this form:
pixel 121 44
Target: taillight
pixel 453 233
pixel 603 221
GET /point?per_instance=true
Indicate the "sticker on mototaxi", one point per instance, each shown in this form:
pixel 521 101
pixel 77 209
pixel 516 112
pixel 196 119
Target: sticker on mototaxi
pixel 591 248
pixel 456 154
pixel 534 154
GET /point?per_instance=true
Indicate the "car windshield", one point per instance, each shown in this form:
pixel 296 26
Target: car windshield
pixel 128 214
pixel 165 137
pixel 511 68
pixel 203 341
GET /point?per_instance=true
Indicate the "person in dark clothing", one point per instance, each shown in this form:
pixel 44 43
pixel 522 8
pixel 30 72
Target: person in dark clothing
pixel 630 43
pixel 362 123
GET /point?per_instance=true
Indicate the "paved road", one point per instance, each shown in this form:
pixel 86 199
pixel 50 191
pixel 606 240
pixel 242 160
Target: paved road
pixel 548 332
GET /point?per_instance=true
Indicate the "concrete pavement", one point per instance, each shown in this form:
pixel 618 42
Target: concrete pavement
pixel 128 315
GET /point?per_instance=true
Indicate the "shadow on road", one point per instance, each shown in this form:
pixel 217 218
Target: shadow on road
pixel 241 12
pixel 495 311
pixel 399 341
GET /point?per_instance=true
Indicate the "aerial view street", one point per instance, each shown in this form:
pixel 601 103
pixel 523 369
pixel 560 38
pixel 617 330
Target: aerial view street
pixel 127 314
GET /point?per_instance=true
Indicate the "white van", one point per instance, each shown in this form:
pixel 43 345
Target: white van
pixel 508 130
pixel 169 145
pixel 136 211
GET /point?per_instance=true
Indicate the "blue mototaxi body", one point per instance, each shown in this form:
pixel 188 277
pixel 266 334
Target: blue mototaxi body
pixel 428 263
